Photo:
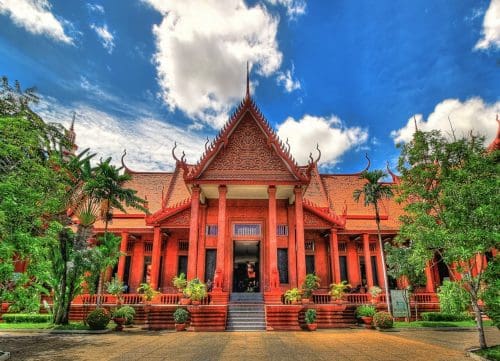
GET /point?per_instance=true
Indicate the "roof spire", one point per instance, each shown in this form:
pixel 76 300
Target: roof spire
pixel 248 81
pixel 72 127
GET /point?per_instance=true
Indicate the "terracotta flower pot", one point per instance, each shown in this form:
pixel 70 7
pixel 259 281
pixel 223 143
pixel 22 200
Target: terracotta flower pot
pixel 185 301
pixel 119 323
pixel 367 321
pixel 195 303
pixel 306 301
pixel 180 326
pixel 312 326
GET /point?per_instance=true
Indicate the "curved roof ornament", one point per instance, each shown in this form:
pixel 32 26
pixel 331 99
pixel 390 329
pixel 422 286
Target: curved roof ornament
pixel 287 146
pixel 368 165
pixel 395 178
pixel 206 144
pixel 248 81
pixel 183 158
pixel 124 166
pixel 311 160
pixel 319 153
pixel 173 152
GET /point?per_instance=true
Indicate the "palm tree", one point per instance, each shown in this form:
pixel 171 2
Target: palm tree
pixel 107 187
pixel 373 191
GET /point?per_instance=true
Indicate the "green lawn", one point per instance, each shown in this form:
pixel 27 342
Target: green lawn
pixel 46 326
pixel 418 324
pixel 491 353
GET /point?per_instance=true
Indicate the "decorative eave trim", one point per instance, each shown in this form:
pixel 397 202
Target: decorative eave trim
pixel 220 141
pixel 326 214
pixel 166 213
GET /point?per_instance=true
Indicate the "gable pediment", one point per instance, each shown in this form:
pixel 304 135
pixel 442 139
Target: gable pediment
pixel 247 154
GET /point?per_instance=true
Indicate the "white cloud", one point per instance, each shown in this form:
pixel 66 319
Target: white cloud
pixel 333 137
pixel 106 37
pixel 202 48
pixel 36 17
pixel 294 8
pixel 95 8
pixel 286 79
pixel 491 27
pixel 148 140
pixel 473 114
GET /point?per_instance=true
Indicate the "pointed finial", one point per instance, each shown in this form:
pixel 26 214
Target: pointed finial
pixel 72 127
pixel 248 81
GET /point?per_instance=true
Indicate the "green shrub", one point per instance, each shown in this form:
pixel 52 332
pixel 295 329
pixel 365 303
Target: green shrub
pixel 491 292
pixel 195 290
pixel 365 311
pixel 310 316
pixel 293 295
pixel 446 317
pixel 383 320
pixel 181 315
pixel 26 317
pixel 453 298
pixel 311 283
pixel 98 319
pixel 126 312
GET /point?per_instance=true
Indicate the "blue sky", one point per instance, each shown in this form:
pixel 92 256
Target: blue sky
pixel 350 75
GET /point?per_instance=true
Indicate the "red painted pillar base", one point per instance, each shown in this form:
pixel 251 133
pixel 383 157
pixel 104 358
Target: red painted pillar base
pixel 272 297
pixel 219 297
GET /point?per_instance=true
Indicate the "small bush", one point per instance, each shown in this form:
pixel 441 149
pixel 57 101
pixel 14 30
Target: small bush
pixel 181 315
pixel 26 317
pixel 446 317
pixel 383 320
pixel 453 298
pixel 310 316
pixel 365 311
pixel 126 312
pixel 98 319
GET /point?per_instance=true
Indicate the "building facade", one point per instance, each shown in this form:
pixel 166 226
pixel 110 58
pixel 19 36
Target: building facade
pixel 248 218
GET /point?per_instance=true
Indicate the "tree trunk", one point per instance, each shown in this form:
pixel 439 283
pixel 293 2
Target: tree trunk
pixel 382 255
pixel 479 321
pixel 99 290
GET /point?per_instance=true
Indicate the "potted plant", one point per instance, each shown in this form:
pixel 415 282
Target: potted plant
pixel 180 283
pixel 310 317
pixel 180 318
pixel 293 296
pixel 337 291
pixel 365 313
pixel 374 291
pixel 121 315
pixel 311 283
pixel 116 288
pixel 148 292
pixel 196 291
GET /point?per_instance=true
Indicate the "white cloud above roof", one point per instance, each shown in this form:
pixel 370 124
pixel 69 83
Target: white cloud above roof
pixel 105 36
pixel 333 137
pixel 491 27
pixel 472 114
pixel 36 17
pixel 294 8
pixel 202 49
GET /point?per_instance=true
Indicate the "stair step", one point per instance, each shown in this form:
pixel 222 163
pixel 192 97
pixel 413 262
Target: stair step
pixel 246 312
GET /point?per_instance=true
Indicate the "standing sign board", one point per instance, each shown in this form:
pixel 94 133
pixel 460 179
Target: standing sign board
pixel 399 306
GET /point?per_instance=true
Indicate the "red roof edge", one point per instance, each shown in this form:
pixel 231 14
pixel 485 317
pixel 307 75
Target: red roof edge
pixel 328 216
pixel 165 213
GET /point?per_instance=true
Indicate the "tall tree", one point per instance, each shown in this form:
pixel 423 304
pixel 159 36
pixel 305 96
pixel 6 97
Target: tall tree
pixel 451 189
pixel 373 192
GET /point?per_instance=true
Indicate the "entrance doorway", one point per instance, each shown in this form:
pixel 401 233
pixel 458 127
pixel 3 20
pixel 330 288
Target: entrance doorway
pixel 246 272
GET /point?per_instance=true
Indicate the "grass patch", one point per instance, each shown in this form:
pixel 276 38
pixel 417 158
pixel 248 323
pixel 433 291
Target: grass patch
pixel 491 353
pixel 47 326
pixel 419 324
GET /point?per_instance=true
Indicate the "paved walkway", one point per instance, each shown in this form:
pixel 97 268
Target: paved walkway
pixel 251 346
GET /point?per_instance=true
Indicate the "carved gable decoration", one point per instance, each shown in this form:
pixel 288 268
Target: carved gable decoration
pixel 180 219
pixel 247 155
pixel 313 221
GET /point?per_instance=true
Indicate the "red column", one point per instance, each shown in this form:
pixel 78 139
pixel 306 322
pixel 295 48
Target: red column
pixel 334 254
pixel 292 255
pixel 193 232
pixel 272 243
pixel 137 265
pixel 299 226
pixel 201 243
pixel 429 287
pixel 121 260
pixel 479 263
pixel 155 259
pixel 353 264
pixel 368 261
pixel 221 238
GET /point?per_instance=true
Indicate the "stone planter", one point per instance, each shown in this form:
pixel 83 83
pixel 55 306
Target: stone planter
pixel 119 323
pixel 338 305
pixel 312 326
pixel 367 321
pixel 180 327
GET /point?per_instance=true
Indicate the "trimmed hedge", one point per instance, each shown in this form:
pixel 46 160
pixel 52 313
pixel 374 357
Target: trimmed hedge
pixel 26 317
pixel 383 320
pixel 98 319
pixel 446 317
